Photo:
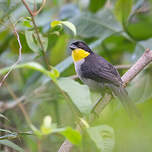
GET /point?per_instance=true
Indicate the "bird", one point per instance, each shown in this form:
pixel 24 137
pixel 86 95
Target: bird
pixel 99 74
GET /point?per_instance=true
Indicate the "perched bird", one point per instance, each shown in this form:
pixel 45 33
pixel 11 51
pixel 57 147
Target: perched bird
pixel 96 72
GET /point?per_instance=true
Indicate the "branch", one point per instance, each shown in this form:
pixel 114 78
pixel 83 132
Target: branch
pixel 36 29
pixel 122 66
pixel 144 60
pixel 9 105
pixel 19 57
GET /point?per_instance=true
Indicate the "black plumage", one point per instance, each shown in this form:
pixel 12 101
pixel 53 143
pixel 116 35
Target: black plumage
pixel 102 75
pixel 97 68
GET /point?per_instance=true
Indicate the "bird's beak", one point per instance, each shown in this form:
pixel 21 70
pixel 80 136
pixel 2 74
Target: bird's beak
pixel 72 47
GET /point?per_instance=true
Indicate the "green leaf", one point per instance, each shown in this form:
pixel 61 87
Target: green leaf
pixel 58 52
pixel 90 25
pixel 15 47
pixel 64 64
pixel 72 135
pixel 11 145
pixel 79 94
pixel 30 65
pixel 70 26
pixel 103 136
pixel 141 87
pixel 55 23
pixel 139 26
pixel 27 23
pixel 33 43
pixel 122 10
pixel 95 5
pixel 54 73
pixel 66 23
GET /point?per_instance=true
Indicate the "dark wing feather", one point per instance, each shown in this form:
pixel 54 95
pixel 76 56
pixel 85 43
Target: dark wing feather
pixel 100 70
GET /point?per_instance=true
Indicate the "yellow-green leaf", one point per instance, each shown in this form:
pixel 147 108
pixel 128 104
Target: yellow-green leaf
pixel 70 26
pixel 55 23
pixel 122 10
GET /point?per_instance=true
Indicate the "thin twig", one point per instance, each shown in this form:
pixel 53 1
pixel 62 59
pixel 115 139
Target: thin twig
pixel 144 60
pixel 10 105
pixel 36 29
pixel 40 41
pixel 19 104
pixel 27 7
pixel 19 57
pixel 39 10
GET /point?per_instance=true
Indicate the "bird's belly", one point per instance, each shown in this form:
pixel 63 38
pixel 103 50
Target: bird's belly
pixel 97 86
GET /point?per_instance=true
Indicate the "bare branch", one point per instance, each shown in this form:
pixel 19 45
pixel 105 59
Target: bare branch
pixel 19 57
pixel 122 66
pixel 12 93
pixel 145 59
pixel 65 147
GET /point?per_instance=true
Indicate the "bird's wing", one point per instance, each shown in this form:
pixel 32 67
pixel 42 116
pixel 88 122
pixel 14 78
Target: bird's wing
pixel 101 70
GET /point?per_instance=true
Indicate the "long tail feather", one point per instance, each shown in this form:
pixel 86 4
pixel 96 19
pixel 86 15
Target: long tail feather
pixel 129 105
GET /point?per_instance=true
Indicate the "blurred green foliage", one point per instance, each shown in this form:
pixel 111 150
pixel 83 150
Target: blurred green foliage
pixel 118 30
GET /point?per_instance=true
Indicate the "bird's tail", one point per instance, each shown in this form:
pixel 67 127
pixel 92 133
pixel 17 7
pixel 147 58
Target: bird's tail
pixel 129 105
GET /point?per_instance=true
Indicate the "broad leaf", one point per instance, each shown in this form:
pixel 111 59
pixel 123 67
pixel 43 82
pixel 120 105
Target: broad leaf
pixel 103 136
pixel 101 25
pixel 95 5
pixel 66 23
pixel 70 26
pixel 58 52
pixel 72 135
pixel 122 10
pixel 79 94
pixel 33 43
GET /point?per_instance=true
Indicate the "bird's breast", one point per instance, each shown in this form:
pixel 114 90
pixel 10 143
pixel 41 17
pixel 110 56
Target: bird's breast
pixel 78 65
pixel 91 83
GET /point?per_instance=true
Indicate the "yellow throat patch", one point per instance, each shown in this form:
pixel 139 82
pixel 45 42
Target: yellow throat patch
pixel 79 54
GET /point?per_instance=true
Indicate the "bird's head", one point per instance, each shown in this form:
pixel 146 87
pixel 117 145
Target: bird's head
pixel 80 50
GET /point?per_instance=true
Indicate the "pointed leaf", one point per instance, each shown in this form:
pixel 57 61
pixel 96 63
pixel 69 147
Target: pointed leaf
pixel 123 9
pixel 103 136
pixel 33 43
pixel 79 94
pixel 72 135
pixel 91 25
pixel 70 26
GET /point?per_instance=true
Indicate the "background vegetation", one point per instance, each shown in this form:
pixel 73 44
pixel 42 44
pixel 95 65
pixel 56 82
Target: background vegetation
pixel 41 104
